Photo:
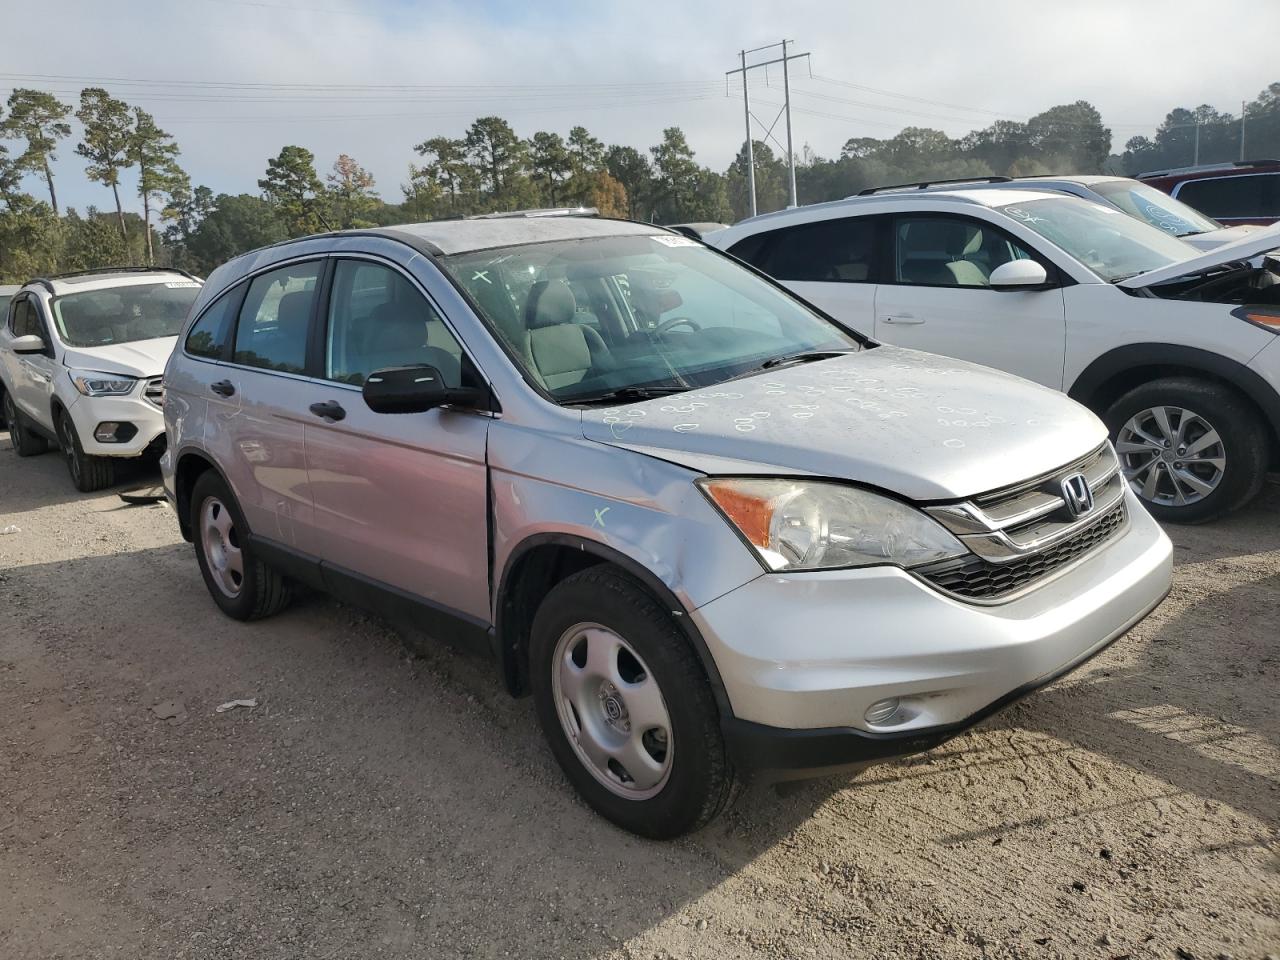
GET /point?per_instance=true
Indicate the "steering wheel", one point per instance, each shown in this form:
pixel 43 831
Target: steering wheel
pixel 670 322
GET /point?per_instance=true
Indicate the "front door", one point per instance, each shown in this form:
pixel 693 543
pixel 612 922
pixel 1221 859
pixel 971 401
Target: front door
pixel 936 297
pixel 400 499
pixel 31 374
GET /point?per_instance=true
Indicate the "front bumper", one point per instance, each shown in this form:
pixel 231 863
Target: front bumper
pixel 148 419
pixel 803 656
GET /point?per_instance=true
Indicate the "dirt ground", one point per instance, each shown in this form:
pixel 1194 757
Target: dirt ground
pixel 381 803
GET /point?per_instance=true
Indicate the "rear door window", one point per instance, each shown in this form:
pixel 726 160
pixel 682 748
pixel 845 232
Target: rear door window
pixel 276 316
pixel 1234 198
pixel 838 251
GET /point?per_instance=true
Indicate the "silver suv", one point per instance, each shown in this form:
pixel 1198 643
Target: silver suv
pixel 709 530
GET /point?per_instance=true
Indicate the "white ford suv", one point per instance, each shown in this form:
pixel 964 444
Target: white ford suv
pixel 81 364
pixel 1174 348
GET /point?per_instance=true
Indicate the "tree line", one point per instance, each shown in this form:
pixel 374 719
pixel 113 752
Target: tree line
pixel 490 168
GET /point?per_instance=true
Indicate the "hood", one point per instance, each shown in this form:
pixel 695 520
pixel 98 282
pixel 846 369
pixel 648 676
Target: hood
pixel 922 426
pixel 141 358
pixel 1246 248
pixel 1212 239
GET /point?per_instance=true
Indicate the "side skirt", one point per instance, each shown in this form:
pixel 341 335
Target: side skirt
pixel 437 621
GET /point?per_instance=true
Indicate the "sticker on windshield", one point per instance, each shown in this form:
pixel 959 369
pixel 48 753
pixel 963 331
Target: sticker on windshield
pixel 673 241
pixel 176 284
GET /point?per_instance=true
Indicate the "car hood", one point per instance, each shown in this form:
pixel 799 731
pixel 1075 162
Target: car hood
pixel 141 358
pixel 1246 248
pixel 1213 239
pixel 922 426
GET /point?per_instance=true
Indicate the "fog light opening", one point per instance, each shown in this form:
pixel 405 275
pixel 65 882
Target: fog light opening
pixel 884 713
pixel 112 431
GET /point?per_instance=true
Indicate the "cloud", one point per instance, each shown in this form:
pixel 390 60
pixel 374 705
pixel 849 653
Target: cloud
pixel 371 77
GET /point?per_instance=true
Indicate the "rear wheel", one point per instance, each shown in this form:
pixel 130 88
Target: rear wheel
pixel 626 706
pixel 1190 449
pixel 87 473
pixel 25 441
pixel 240 583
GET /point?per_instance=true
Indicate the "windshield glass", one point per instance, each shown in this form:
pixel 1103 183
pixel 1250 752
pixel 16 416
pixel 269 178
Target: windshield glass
pixel 1156 207
pixel 95 318
pixel 4 304
pixel 1112 244
pixel 586 318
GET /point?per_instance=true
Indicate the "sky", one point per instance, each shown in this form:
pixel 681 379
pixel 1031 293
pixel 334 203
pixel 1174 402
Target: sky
pixel 235 80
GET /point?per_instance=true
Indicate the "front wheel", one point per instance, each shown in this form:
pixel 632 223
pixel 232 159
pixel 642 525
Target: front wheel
pixel 25 441
pixel 626 706
pixel 87 473
pixel 1192 450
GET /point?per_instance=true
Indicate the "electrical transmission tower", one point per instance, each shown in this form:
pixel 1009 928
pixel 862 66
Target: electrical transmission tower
pixel 786 109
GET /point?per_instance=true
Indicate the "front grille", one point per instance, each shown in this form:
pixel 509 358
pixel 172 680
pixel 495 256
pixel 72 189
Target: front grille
pixel 153 391
pixel 975 578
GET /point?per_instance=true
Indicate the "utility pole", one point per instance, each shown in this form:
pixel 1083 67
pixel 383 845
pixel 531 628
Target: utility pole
pixel 785 59
pixel 1195 160
pixel 751 159
pixel 786 99
pixel 1244 106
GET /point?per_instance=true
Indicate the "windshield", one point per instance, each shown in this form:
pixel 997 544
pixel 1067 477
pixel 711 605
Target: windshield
pixel 1156 207
pixel 588 318
pixel 95 318
pixel 1112 244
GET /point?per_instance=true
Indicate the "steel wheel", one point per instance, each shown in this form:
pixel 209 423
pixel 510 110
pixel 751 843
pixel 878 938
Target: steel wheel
pixel 221 547
pixel 612 711
pixel 1171 456
pixel 67 439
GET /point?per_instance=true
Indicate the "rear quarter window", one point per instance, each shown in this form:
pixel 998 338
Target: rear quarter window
pixel 209 335
pixel 1252 195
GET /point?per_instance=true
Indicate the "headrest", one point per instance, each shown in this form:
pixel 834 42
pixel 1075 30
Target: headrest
pixel 550 302
pixel 294 309
pixel 396 326
pixel 948 236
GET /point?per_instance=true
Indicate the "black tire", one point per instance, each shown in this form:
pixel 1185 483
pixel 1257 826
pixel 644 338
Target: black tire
pixel 87 473
pixel 701 782
pixel 262 591
pixel 1244 442
pixel 25 441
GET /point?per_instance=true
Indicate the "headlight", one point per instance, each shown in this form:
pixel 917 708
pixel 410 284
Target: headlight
pixel 93 384
pixel 808 525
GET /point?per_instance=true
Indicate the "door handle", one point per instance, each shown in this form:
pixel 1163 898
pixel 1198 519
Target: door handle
pixel 223 388
pixel 904 320
pixel 330 410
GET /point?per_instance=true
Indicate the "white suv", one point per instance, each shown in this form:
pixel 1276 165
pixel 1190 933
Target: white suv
pixel 1175 349
pixel 81 361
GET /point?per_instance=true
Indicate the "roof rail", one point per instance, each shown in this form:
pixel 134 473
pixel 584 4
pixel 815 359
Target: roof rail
pixel 1225 165
pixel 925 184
pixel 538 212
pixel 43 281
pixel 90 273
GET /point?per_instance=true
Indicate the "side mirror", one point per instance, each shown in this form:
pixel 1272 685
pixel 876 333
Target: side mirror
pixel 415 390
pixel 31 343
pixel 1018 275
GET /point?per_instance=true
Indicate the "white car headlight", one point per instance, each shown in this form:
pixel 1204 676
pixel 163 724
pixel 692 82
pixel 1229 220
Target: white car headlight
pixel 93 384
pixel 816 525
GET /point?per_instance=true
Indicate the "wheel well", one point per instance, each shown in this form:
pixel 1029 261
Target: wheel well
pixel 530 578
pixel 186 472
pixel 1117 385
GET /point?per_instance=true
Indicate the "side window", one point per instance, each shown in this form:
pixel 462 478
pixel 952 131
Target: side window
pixel 1234 197
pixel 838 251
pixel 949 251
pixel 272 330
pixel 378 319
pixel 22 320
pixel 209 334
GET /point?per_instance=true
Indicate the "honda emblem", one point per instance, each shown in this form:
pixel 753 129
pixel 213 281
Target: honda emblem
pixel 1077 494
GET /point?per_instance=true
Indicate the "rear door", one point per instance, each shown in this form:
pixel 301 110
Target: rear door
pixel 935 296
pixel 400 499
pixel 831 263
pixel 261 446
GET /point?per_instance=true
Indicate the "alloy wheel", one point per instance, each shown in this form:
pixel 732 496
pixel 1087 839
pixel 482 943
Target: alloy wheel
pixel 1171 456
pixel 221 545
pixel 612 711
pixel 67 440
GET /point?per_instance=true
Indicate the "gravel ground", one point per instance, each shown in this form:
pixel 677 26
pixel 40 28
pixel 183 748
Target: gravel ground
pixel 386 798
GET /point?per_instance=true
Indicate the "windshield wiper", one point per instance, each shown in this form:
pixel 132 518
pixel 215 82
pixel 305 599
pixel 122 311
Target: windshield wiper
pixel 626 395
pixel 808 356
